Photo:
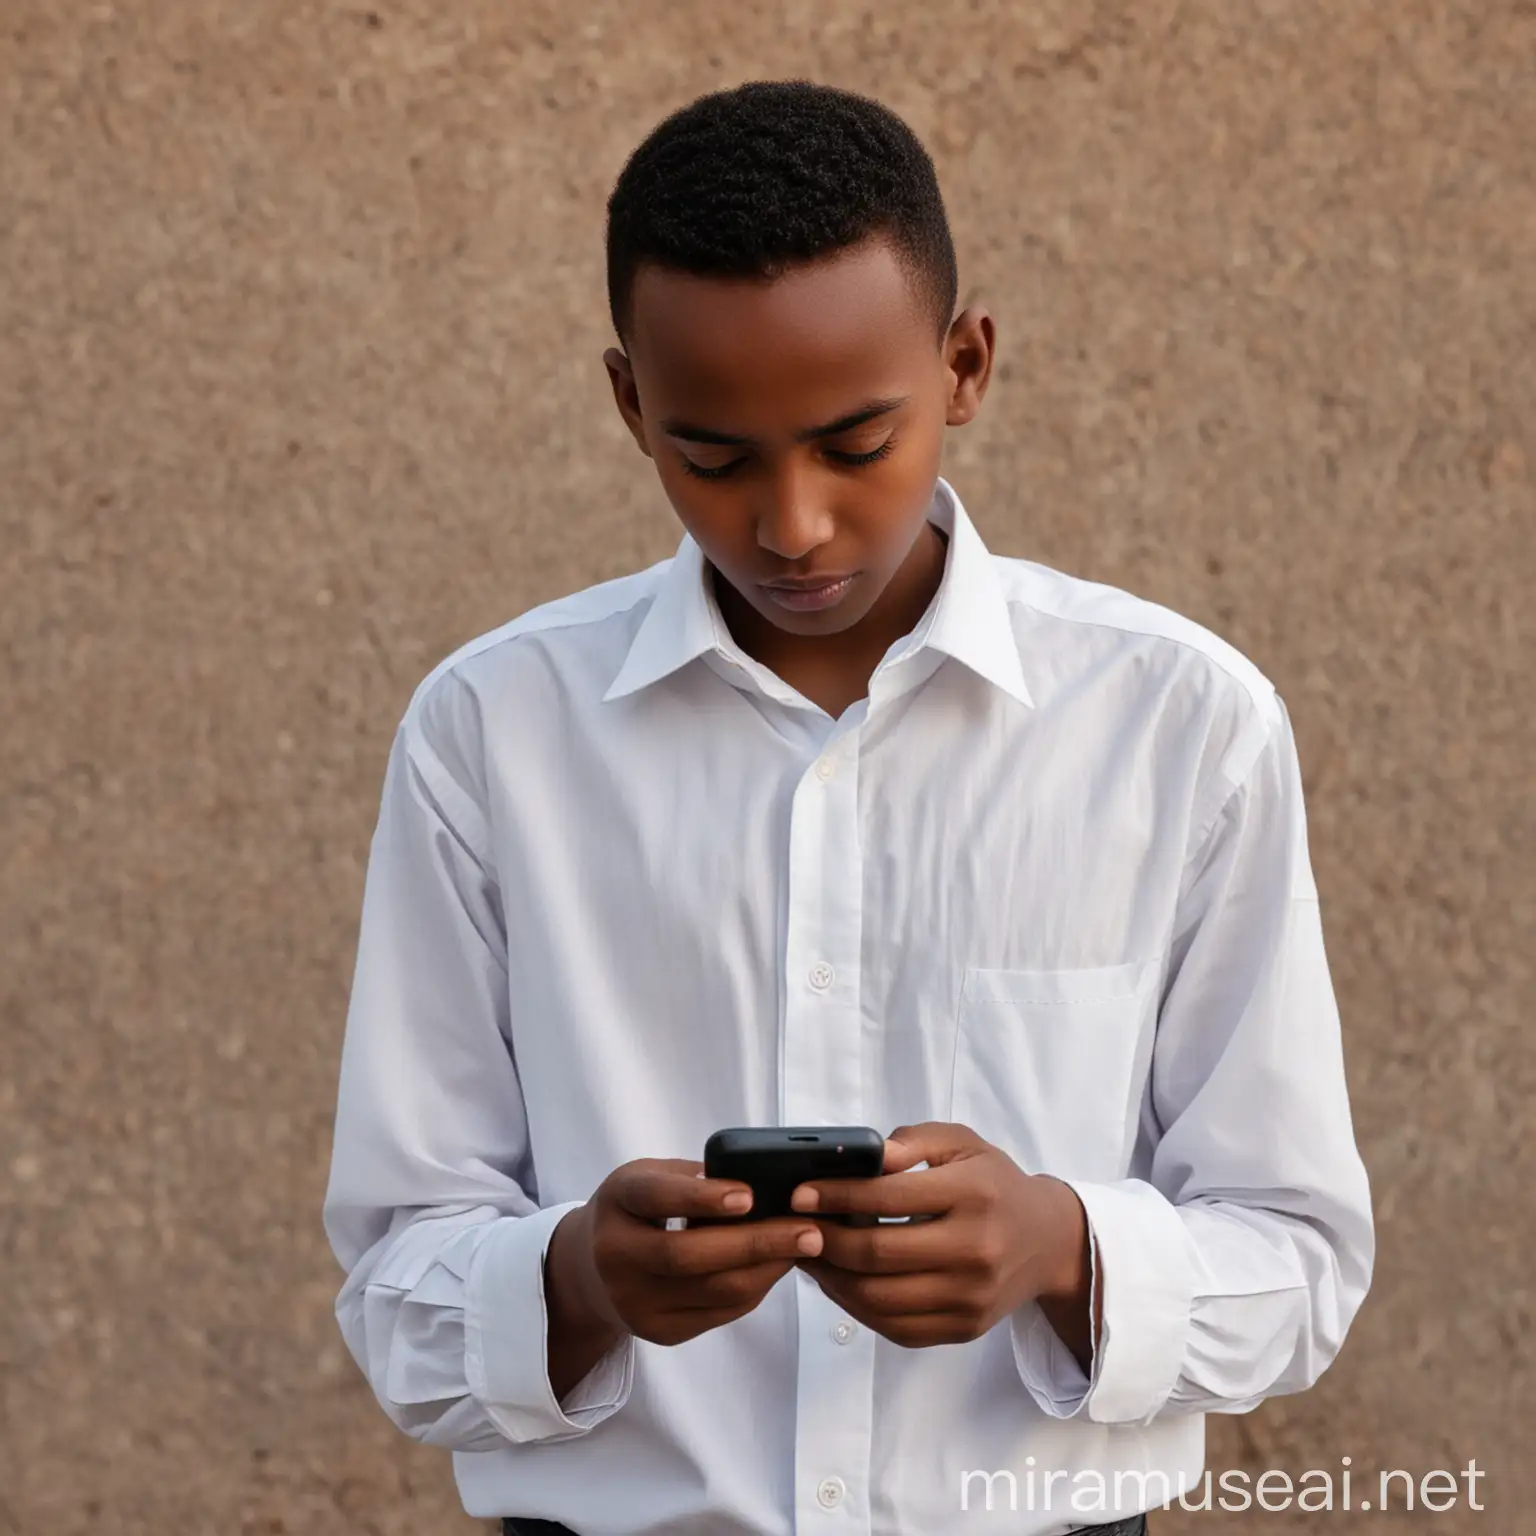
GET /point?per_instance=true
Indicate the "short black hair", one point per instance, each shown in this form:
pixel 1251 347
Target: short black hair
pixel 749 181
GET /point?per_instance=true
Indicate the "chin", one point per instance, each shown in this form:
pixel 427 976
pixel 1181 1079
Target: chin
pixel 828 621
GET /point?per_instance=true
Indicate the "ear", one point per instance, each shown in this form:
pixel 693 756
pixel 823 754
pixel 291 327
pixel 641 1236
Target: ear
pixel 968 353
pixel 625 395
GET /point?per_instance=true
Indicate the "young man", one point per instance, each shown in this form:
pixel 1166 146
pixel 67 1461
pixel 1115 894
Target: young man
pixel 835 817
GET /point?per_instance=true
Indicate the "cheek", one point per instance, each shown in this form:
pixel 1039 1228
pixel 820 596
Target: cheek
pixel 716 515
pixel 905 478
pixel 925 445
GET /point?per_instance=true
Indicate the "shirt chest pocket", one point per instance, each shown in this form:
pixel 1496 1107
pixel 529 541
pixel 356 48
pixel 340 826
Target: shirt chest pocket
pixel 1048 1064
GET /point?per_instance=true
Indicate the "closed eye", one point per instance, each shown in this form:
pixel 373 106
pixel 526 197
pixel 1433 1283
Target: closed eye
pixel 839 457
pixel 709 472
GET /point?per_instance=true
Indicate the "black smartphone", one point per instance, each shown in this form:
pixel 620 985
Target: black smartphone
pixel 773 1159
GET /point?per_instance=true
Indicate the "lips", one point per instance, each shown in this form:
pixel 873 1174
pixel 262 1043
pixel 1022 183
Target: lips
pixel 803 599
pixel 809 584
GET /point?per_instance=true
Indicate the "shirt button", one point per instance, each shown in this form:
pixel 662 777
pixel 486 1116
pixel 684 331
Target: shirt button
pixel 842 1332
pixel 826 768
pixel 821 975
pixel 829 1492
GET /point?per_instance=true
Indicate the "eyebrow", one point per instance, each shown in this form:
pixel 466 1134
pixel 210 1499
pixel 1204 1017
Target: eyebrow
pixel 690 433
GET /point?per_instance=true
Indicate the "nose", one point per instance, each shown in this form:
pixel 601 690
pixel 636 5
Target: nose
pixel 792 518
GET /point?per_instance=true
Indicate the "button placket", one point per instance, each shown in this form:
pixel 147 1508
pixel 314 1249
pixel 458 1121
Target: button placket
pixel 821 1065
pixel 822 1083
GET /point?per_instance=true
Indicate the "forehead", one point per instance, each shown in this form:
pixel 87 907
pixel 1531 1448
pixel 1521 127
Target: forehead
pixel 782 349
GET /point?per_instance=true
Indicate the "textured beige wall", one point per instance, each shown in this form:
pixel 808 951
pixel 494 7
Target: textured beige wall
pixel 301 311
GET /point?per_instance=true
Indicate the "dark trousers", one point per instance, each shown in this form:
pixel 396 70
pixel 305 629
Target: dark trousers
pixel 1135 1526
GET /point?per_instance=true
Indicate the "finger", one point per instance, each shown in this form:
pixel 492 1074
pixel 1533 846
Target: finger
pixel 894 1249
pixel 708 1250
pixel 689 1165
pixel 735 1289
pixel 899 1157
pixel 922 1330
pixel 922 1192
pixel 884 1301
pixel 656 1190
pixel 882 1296
pixel 678 1325
pixel 936 1141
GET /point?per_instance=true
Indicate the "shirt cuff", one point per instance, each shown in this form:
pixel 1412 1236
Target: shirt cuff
pixel 506 1339
pixel 1143 1262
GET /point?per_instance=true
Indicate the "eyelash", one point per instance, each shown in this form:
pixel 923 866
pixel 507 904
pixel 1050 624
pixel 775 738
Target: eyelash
pixel 850 460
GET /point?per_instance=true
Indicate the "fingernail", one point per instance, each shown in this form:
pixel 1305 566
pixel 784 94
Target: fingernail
pixel 805 1199
pixel 809 1242
pixel 738 1200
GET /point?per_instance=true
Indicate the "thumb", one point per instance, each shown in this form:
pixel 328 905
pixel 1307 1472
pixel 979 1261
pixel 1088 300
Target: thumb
pixel 933 1142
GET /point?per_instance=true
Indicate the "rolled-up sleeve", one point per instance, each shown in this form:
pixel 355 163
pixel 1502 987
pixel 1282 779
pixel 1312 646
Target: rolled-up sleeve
pixel 432 1205
pixel 1233 1271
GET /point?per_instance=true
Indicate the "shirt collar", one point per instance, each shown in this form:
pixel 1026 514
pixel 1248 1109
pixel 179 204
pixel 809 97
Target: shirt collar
pixel 968 618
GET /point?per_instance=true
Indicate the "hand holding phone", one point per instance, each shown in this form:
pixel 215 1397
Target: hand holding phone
pixel 618 1262
pixel 773 1160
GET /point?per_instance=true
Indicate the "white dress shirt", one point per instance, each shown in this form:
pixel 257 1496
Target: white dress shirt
pixel 1050 879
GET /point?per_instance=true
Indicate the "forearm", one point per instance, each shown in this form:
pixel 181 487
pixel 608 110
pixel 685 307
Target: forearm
pixel 1274 1296
pixel 1209 1307
pixel 412 1354
pixel 581 1329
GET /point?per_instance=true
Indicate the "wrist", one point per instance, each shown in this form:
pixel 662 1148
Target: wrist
pixel 1067 1269
pixel 581 1327
pixel 574 1287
